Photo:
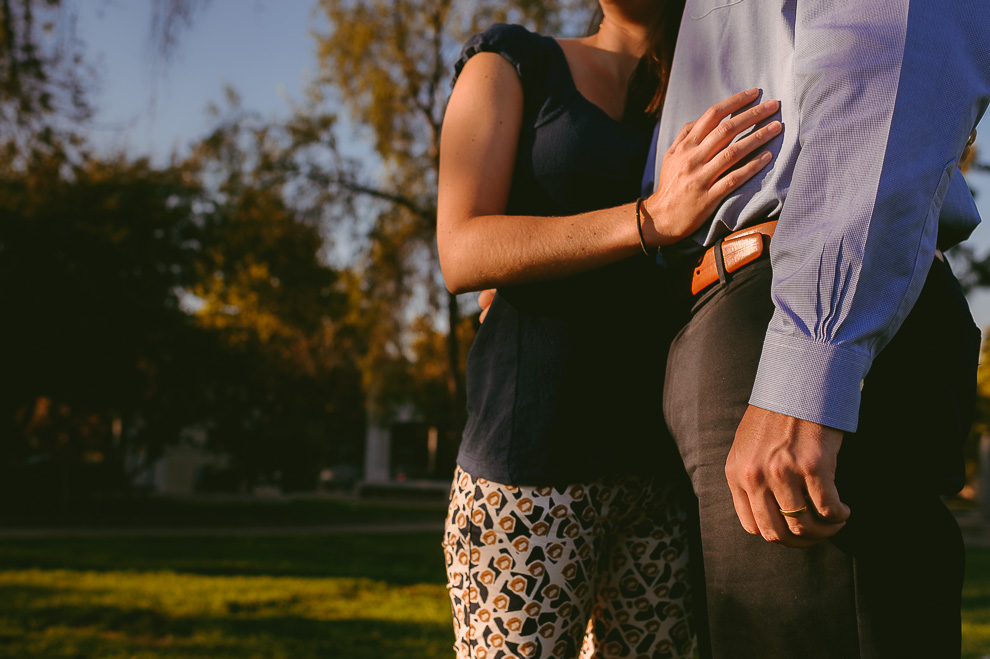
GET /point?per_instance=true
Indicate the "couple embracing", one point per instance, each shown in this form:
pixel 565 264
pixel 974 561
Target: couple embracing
pixel 724 371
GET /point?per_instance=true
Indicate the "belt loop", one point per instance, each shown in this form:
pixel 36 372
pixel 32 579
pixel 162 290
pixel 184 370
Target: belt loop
pixel 723 276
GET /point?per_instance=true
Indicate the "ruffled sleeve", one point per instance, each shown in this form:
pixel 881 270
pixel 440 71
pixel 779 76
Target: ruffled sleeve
pixel 531 55
pixel 514 43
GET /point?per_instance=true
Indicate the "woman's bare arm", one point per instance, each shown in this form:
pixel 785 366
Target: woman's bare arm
pixel 481 247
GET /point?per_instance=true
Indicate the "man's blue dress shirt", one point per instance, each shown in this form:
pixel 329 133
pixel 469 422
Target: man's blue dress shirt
pixel 878 98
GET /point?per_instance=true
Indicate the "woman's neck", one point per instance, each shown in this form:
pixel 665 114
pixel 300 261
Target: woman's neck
pixel 624 40
pixel 621 36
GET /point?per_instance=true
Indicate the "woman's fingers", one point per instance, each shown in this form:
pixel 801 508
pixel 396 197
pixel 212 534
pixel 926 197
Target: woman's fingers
pixel 732 180
pixel 721 154
pixel 684 132
pixel 714 115
pixel 723 134
pixel 485 299
pixel 690 184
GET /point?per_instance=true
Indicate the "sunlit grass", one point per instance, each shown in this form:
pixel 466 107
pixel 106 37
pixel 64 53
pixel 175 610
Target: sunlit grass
pixel 359 596
pixel 976 605
pixel 294 605
pixel 61 613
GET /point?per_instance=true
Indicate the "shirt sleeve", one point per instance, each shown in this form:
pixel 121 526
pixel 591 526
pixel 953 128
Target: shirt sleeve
pixel 888 92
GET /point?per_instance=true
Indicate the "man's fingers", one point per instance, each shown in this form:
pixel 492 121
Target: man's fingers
pixel 800 529
pixel 743 511
pixel 811 523
pixel 811 529
pixel 773 528
pixel 784 463
pixel 824 497
pixel 802 521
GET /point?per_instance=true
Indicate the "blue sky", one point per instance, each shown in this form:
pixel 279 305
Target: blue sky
pixel 263 49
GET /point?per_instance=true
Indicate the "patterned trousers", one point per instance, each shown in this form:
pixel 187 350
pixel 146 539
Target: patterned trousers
pixel 594 569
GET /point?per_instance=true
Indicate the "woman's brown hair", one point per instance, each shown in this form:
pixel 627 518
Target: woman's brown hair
pixel 648 83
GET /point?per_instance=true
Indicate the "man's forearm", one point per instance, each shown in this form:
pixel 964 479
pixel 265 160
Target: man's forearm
pixel 886 109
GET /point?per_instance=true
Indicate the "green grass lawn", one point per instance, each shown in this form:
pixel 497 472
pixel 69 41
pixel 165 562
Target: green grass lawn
pixel 369 596
pixel 350 596
pixel 976 605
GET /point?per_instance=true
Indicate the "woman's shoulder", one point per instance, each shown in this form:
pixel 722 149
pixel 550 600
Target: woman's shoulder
pixel 525 50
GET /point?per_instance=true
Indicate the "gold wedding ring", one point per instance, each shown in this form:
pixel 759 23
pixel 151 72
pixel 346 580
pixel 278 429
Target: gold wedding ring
pixel 793 513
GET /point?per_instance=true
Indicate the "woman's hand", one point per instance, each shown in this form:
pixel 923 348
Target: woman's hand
pixel 485 299
pixel 694 174
pixel 481 247
pixel 964 159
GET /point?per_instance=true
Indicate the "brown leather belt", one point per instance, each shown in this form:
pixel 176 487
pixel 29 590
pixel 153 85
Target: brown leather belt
pixel 738 249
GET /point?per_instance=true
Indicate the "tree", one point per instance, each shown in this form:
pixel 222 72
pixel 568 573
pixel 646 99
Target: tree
pixel 92 256
pixel 43 81
pixel 387 64
pixel 288 396
pixel 103 262
pixel 974 270
pixel 145 302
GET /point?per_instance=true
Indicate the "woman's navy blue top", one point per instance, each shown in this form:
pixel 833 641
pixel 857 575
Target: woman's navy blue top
pixel 564 378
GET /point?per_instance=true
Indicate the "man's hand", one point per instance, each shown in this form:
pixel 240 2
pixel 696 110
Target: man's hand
pixel 778 462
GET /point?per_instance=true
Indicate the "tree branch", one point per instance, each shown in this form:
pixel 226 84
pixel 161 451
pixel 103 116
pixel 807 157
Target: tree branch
pixel 384 195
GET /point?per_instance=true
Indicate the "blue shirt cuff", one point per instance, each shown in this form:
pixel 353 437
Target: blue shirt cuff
pixel 809 380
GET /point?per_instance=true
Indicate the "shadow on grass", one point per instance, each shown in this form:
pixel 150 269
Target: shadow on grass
pixel 213 514
pixel 977 602
pixel 98 630
pixel 112 620
pixel 399 559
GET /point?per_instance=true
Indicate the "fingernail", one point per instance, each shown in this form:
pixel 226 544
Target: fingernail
pixel 766 156
pixel 771 104
pixel 774 128
pixel 753 92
